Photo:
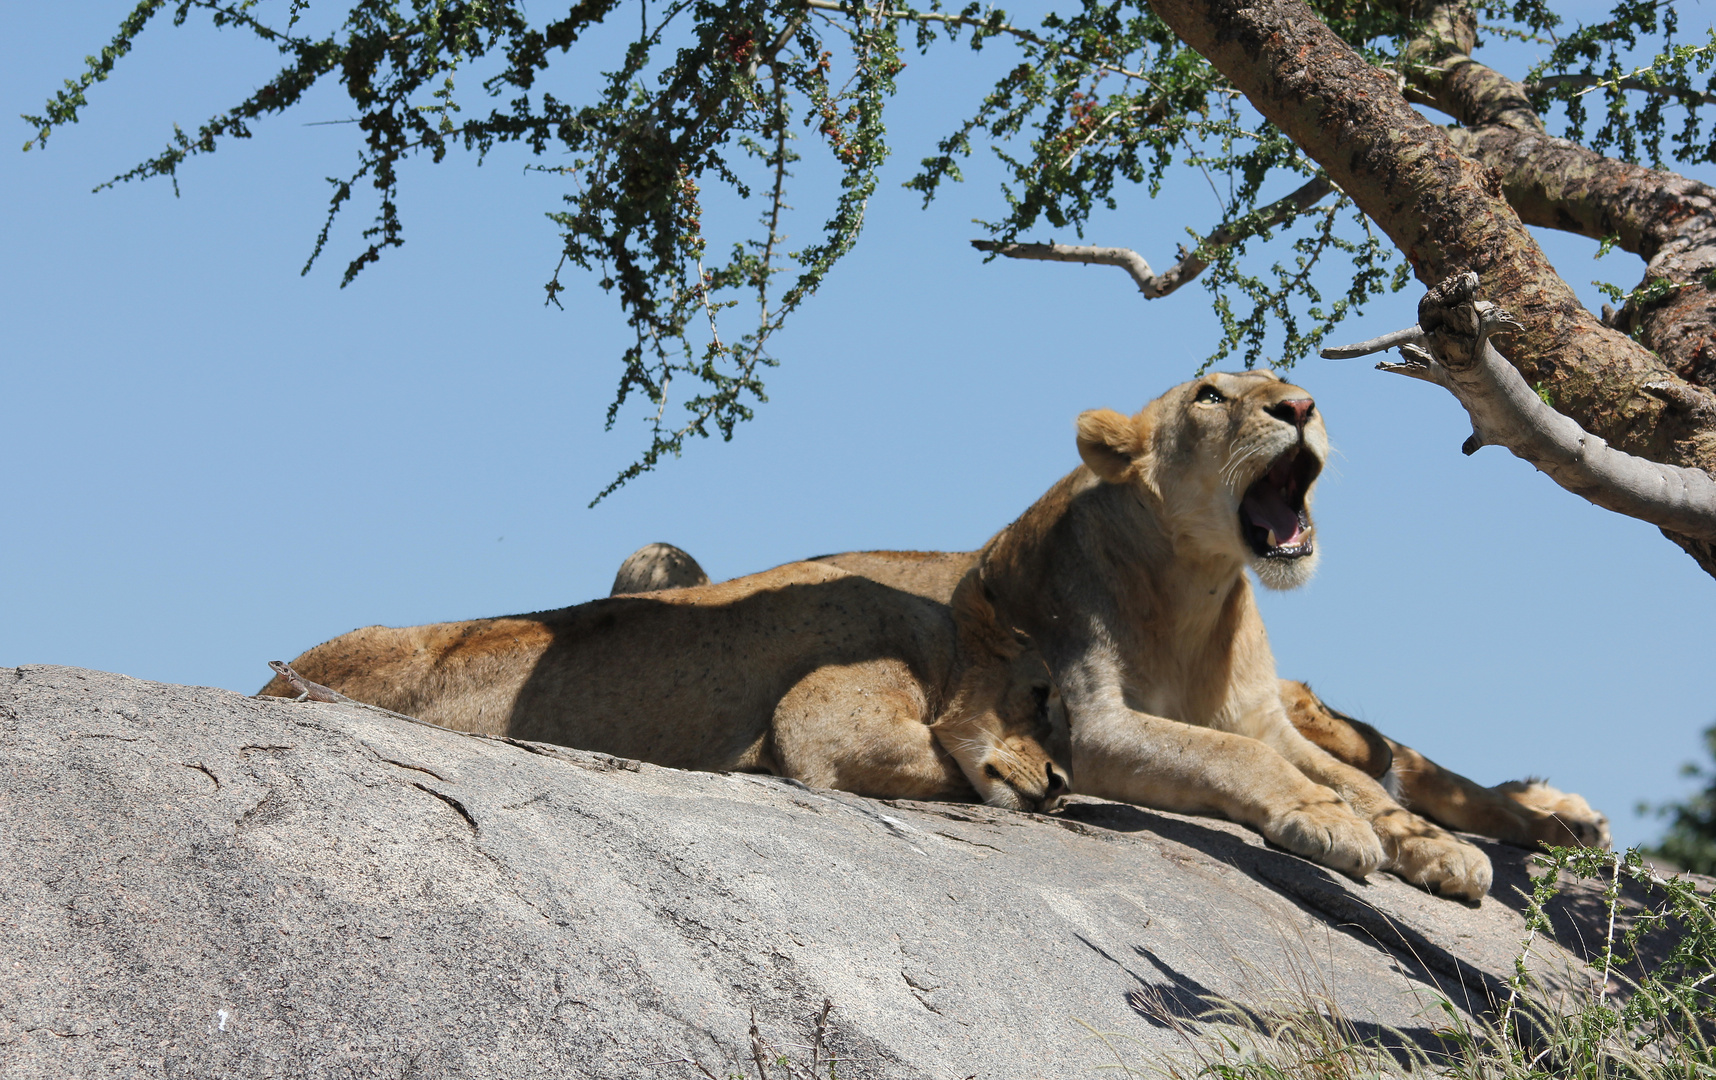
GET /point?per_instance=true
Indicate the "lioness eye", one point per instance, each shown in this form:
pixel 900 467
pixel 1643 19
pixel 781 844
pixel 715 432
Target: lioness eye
pixel 1209 395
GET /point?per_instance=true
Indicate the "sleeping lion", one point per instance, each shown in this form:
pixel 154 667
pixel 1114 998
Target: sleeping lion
pixel 804 671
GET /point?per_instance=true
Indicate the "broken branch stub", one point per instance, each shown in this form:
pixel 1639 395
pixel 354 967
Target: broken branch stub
pixel 1451 347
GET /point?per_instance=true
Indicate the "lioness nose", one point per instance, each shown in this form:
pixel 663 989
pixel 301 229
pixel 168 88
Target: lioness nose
pixel 1057 783
pixel 1295 412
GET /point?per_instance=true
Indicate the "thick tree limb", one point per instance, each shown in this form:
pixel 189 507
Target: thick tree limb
pixel 1441 73
pixel 1444 210
pixel 1663 218
pixel 1667 220
pixel 1154 285
pixel 1451 348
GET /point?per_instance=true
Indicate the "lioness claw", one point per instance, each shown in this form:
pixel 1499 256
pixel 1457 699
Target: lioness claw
pixel 1330 833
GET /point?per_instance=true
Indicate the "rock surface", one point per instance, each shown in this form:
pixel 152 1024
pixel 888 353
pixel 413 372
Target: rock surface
pixel 199 884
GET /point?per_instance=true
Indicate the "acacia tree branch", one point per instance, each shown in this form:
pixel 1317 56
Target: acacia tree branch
pixel 1667 220
pixel 1191 264
pixel 1451 348
pixel 1445 211
pixel 1441 73
pixel 1592 82
pixel 849 8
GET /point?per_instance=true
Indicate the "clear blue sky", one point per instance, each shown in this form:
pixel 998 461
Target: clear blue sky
pixel 211 462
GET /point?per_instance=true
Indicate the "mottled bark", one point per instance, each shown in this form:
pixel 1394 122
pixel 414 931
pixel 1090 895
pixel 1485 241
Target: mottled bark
pixel 1667 220
pixel 1447 211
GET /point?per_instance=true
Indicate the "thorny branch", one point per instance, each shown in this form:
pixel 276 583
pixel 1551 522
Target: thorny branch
pixel 1597 82
pixel 989 25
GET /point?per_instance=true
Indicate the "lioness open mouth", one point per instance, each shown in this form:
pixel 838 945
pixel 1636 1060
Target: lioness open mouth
pixel 1272 515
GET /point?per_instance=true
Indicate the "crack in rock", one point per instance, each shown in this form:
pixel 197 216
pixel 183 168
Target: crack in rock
pixel 204 769
pixel 450 801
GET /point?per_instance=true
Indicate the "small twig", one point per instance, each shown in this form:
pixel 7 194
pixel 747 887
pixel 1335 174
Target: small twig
pixel 1593 82
pixel 1614 898
pixel 816 1040
pixel 758 1053
pixel 777 198
pixel 1154 285
pixel 693 1062
pixel 1518 981
pixel 1094 132
pixel 1375 345
pixel 310 691
pixel 1129 260
pixel 964 20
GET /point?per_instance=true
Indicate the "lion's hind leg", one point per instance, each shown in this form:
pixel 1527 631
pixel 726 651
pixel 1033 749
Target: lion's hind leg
pixel 1566 817
pixel 863 728
pixel 1352 741
pixel 1525 813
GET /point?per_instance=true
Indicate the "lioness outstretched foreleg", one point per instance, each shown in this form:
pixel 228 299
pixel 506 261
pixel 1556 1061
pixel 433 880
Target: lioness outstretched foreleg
pixel 1151 761
pixel 1415 849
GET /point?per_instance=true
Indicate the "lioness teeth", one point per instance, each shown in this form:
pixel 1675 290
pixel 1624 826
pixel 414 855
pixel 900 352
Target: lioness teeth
pixel 1272 542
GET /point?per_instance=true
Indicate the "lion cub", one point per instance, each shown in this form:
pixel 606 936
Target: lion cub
pixel 803 671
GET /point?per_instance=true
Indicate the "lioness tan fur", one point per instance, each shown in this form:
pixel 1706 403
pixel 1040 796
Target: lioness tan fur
pixel 803 671
pixel 1526 813
pixel 1130 576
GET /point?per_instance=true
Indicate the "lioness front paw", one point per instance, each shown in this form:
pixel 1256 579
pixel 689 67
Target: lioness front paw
pixel 1554 817
pixel 1442 863
pixel 1327 831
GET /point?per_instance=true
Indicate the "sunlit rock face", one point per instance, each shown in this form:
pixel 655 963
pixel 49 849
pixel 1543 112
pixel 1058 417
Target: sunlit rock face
pixel 198 883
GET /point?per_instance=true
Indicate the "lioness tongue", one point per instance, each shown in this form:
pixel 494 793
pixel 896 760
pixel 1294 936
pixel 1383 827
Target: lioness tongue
pixel 1267 510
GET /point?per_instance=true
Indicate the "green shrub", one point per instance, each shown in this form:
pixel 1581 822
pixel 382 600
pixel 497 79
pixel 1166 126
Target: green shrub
pixel 1690 842
pixel 1655 1023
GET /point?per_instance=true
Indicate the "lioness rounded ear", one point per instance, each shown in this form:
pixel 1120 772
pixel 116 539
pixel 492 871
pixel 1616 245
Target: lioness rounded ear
pixel 974 614
pixel 1108 442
